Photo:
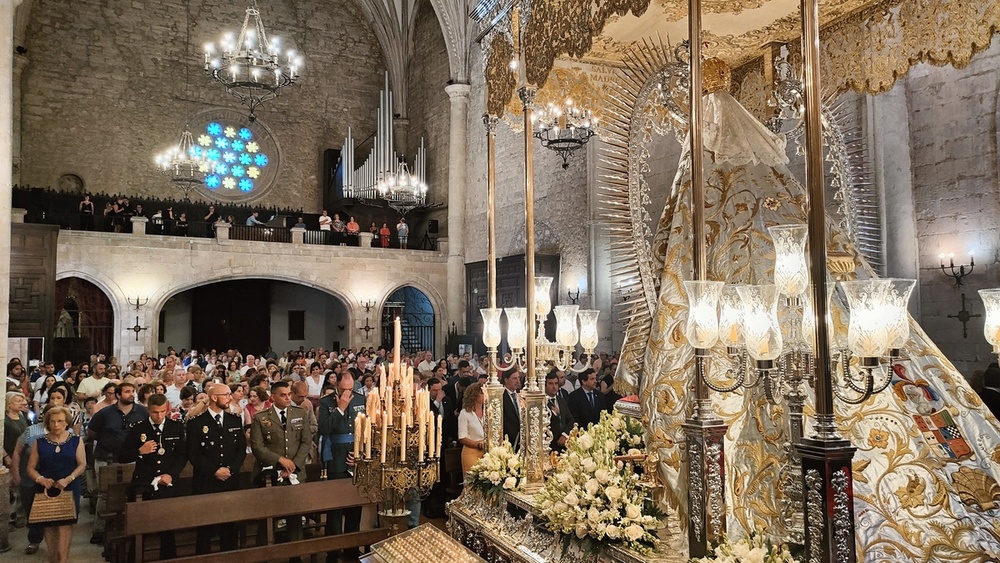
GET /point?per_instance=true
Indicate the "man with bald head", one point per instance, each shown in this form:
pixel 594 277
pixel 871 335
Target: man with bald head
pixel 300 398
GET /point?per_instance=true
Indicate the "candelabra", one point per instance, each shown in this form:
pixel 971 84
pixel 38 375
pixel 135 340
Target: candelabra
pixel 961 272
pixel 564 129
pixel 184 163
pixel 250 66
pixel 397 442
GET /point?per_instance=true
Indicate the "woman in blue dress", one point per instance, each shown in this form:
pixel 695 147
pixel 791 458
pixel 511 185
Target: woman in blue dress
pixel 56 460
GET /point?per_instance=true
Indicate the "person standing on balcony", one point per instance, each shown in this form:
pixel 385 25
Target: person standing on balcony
pixel 383 234
pixel 339 230
pixel 86 214
pixel 353 229
pixel 402 231
pixel 325 221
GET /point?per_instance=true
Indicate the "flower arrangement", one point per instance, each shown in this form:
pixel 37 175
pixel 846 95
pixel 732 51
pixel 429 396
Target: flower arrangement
pixel 754 548
pixel 593 495
pixel 500 469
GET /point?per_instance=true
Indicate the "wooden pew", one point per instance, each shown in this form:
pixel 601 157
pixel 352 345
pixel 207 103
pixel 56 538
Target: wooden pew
pixel 266 504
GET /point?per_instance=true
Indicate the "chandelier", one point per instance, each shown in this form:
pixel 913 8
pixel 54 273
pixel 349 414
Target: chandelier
pixel 253 69
pixel 184 163
pixel 402 191
pixel 564 129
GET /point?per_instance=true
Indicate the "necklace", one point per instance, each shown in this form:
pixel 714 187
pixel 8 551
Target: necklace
pixel 58 444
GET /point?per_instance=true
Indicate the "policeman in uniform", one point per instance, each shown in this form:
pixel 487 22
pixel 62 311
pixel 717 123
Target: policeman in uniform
pixel 156 445
pixel 281 439
pixel 216 447
pixel 336 427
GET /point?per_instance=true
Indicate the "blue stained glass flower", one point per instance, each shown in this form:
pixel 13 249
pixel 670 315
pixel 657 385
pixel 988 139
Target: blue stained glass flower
pixel 246 185
pixel 245 159
pixel 222 142
pixel 246 134
pixel 237 171
pixel 260 159
pixel 214 129
pixel 196 151
pixel 221 168
pixel 229 157
pixel 236 145
pixel 212 181
pixel 213 154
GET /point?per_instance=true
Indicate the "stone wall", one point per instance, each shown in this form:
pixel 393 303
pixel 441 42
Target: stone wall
pixel 562 217
pixel 428 103
pixel 110 84
pixel 953 148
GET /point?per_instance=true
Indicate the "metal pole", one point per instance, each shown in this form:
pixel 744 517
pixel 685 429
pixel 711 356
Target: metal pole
pixel 494 423
pixel 527 94
pixel 826 457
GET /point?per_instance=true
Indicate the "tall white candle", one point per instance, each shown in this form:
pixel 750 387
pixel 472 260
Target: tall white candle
pixel 357 436
pixel 440 421
pixel 385 437
pixel 402 437
pixel 397 340
pixel 388 405
pixel 368 438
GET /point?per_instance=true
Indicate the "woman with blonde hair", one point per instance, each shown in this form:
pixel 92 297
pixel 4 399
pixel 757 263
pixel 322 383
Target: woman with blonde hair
pixel 471 433
pixel 55 462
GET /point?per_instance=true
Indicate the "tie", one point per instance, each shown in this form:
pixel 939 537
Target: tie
pixel 590 395
pixel 513 399
pixel 218 419
pixel 284 420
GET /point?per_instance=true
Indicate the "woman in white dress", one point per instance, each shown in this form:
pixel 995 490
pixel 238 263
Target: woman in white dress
pixel 471 434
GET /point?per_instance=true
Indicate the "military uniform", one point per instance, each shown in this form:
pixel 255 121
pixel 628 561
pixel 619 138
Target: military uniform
pixel 336 431
pixel 211 446
pixel 270 440
pixel 169 458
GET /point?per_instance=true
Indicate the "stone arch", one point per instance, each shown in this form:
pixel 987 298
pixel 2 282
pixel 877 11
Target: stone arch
pixel 437 309
pixel 86 323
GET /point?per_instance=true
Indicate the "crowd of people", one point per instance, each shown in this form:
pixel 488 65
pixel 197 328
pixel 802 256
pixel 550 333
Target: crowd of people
pixel 213 408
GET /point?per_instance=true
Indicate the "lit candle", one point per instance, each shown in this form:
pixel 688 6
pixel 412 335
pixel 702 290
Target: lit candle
pixel 439 423
pixel 357 436
pixel 385 436
pixel 402 437
pixel 368 438
pixel 388 405
pixel 381 378
pixel 430 437
pixel 397 341
pixel 422 435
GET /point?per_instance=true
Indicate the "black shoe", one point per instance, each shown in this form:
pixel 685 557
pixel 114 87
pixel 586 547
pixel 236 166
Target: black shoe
pixel 97 538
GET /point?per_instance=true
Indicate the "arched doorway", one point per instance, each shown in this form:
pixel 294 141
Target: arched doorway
pixel 85 321
pixel 252 315
pixel 416 317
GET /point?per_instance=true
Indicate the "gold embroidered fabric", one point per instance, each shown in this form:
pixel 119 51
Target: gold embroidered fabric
pixel 928 462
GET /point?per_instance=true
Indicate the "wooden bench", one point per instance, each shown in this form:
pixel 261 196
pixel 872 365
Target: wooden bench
pixel 268 504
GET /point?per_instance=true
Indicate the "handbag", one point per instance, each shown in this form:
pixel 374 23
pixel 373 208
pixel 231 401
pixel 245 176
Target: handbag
pixel 52 508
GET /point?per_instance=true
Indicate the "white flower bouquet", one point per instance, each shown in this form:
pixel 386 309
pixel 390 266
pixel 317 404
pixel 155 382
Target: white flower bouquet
pixel 754 548
pixel 500 469
pixel 593 495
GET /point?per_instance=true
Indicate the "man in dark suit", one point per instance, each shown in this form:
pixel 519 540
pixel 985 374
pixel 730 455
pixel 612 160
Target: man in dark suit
pixel 281 439
pixel 560 418
pixel 156 445
pixel 511 380
pixel 216 447
pixel 442 405
pixel 991 389
pixel 561 375
pixel 586 403
pixel 336 427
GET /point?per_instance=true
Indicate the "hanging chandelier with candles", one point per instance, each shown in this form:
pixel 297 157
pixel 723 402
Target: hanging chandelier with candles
pixel 564 129
pixel 184 163
pixel 401 190
pixel 252 68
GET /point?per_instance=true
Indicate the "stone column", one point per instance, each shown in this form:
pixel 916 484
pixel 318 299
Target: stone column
pixel 298 235
pixel 366 239
pixel 139 226
pixel 222 231
pixel 457 156
pixel 20 61
pixel 6 178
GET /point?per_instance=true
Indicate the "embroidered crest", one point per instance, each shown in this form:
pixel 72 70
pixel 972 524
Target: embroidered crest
pixel 942 435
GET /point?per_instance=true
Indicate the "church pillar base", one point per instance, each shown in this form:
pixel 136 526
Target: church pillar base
pixel 828 492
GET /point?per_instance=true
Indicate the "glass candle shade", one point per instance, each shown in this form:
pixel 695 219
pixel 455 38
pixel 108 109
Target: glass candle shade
pixel 871 316
pixel 791 273
pixel 588 329
pixel 730 317
pixel 761 331
pixel 517 327
pixel 543 302
pixel 899 329
pixel 566 333
pixel 491 327
pixel 991 330
pixel 702 328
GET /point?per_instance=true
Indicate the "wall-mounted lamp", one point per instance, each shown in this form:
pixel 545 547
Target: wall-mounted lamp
pixel 368 305
pixel 961 272
pixel 574 297
pixel 137 303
